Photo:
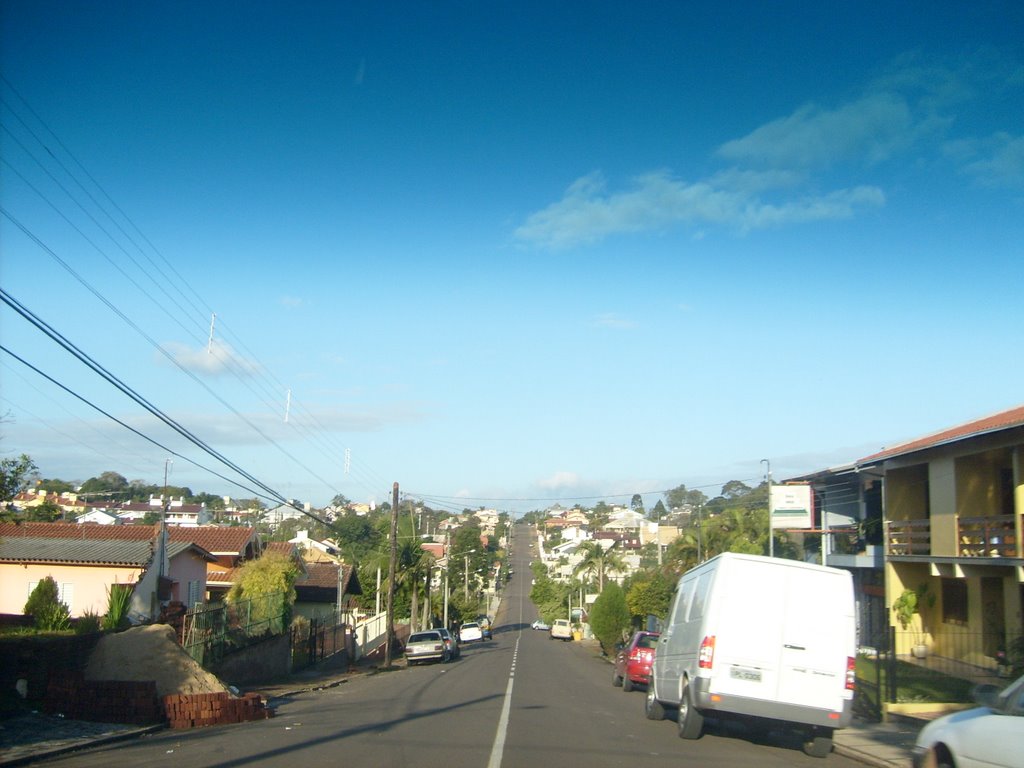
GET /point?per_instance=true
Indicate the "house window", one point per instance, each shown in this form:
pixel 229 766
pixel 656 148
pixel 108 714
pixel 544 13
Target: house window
pixel 194 595
pixel 954 601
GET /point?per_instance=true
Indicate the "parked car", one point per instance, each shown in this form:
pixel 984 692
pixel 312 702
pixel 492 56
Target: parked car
pixel 561 630
pixel 989 735
pixel 469 632
pixel 428 645
pixel 634 659
pixel 541 624
pixel 453 645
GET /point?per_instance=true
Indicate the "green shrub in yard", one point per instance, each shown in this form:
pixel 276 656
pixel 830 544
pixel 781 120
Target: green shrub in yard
pixel 609 617
pixel 45 607
pixel 87 623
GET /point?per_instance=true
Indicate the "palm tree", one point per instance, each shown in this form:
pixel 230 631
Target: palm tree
pixel 597 560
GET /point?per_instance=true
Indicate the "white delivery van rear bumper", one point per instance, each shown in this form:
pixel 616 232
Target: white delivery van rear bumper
pixel 768 709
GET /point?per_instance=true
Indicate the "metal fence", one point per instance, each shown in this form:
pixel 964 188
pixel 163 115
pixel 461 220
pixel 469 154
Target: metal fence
pixel 210 632
pixel 318 638
pixel 945 673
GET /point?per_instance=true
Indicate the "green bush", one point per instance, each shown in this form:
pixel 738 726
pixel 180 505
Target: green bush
pixel 119 599
pixel 87 623
pixel 609 617
pixel 45 607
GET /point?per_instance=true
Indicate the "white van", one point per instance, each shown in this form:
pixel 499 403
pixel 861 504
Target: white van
pixel 761 639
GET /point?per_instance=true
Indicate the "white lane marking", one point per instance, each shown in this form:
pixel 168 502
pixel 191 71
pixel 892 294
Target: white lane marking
pixel 499 737
pixel 498 749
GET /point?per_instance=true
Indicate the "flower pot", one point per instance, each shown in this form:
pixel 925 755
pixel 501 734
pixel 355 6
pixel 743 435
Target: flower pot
pixel 919 651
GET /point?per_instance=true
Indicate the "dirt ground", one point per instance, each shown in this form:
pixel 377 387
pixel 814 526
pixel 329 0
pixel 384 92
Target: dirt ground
pixel 150 653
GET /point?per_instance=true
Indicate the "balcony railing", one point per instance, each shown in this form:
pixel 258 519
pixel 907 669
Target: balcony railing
pixel 988 536
pixel 909 537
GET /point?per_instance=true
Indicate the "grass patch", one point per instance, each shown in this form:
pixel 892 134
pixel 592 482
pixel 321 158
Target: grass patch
pixel 915 683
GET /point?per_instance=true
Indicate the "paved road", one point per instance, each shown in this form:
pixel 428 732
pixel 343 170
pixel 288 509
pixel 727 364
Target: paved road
pixel 518 700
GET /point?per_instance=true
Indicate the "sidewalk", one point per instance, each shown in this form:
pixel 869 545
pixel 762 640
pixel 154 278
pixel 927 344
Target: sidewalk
pixel 27 738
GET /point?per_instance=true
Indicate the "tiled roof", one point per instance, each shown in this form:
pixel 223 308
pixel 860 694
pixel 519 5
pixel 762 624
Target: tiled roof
pixel 321 575
pixel 325 576
pixel 82 552
pixel 994 423
pixel 219 540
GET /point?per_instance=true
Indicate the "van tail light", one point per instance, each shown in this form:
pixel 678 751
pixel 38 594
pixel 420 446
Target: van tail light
pixel 706 657
pixel 851 673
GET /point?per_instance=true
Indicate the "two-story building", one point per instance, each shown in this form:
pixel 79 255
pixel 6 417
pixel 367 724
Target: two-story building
pixel 943 515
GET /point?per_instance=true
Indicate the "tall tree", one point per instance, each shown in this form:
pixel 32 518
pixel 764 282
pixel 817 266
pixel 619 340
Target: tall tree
pixel 597 560
pixel 15 477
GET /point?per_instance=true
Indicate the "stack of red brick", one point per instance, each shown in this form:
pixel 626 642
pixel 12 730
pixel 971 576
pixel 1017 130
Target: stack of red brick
pixel 199 709
pixel 104 701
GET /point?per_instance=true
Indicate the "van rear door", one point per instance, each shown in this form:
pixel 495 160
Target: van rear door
pixel 747 628
pixel 817 639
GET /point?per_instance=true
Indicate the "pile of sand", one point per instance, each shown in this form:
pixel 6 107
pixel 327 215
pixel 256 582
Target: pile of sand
pixel 150 653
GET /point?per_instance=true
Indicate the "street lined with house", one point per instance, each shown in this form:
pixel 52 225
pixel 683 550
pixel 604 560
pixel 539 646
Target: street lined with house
pixel 929 608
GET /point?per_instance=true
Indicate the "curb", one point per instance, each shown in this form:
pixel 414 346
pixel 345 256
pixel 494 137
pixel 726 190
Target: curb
pixel 77 744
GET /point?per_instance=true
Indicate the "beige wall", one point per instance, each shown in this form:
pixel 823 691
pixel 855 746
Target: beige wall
pixel 906 493
pixel 88 585
pixel 942 489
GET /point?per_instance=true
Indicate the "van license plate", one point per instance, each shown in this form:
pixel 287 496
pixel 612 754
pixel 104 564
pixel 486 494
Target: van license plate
pixel 741 673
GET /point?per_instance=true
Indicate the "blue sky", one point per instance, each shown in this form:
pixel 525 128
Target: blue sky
pixel 508 253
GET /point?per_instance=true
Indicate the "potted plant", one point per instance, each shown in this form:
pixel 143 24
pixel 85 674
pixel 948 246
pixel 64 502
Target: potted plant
pixel 906 607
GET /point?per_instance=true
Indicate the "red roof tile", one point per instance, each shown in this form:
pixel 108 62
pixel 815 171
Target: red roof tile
pixel 214 539
pixel 994 423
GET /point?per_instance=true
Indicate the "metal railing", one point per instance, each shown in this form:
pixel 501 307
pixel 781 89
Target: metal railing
pixel 316 639
pixel 209 632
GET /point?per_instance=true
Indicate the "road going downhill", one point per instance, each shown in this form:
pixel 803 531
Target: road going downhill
pixel 518 700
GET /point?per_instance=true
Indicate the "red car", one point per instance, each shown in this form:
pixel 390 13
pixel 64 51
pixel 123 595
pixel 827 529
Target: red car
pixel 633 661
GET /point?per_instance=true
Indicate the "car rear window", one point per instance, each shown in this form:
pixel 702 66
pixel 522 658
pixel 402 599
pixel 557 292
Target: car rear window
pixel 647 641
pixel 424 637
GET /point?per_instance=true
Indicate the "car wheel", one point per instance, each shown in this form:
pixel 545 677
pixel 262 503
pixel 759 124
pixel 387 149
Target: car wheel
pixel 627 684
pixel 653 709
pixel 616 679
pixel 818 744
pixel 690 721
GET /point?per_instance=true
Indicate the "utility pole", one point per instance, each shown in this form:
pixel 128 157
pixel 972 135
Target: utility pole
pixel 771 514
pixel 391 577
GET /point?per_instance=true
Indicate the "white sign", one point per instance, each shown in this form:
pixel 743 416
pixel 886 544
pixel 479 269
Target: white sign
pixel 792 506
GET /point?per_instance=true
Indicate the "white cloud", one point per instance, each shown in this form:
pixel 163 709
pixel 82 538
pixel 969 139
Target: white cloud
pixel 587 213
pixel 560 481
pixel 614 320
pixel 871 128
pixel 1000 161
pixel 292 302
pixel 217 359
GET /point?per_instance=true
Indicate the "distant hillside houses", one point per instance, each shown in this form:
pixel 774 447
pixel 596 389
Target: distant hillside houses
pixel 76 508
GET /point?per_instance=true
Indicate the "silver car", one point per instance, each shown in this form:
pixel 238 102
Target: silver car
pixel 426 646
pixel 453 645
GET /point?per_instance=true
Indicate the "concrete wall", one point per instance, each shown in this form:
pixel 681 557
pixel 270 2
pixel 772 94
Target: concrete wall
pixel 264 661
